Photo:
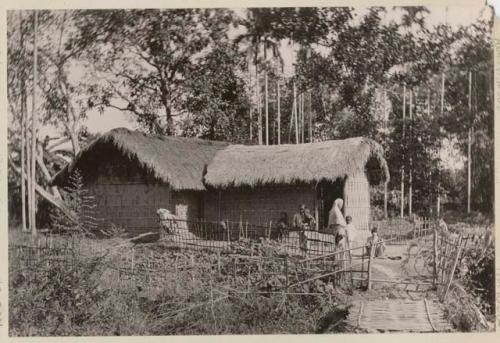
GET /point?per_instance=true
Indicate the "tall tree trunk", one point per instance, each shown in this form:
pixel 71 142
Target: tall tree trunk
pixel 310 117
pixel 250 123
pixel 23 158
pixel 469 145
pixel 267 106
pixel 403 166
pixel 302 122
pixel 34 124
pixel 23 126
pixel 438 203
pixel 279 110
pixel 386 195
pixel 259 107
pixel 295 117
pixel 27 132
pixel 410 181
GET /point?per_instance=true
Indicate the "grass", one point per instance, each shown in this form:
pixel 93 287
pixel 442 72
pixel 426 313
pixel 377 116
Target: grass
pixel 82 295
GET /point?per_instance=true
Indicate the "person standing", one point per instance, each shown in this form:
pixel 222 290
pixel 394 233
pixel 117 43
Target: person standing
pixel 350 232
pixel 336 219
pixel 298 218
pixel 308 221
pixel 374 239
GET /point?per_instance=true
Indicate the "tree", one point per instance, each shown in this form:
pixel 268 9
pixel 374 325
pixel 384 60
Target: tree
pixel 148 59
pixel 217 102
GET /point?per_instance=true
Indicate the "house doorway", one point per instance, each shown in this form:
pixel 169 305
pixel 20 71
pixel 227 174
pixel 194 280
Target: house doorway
pixel 326 193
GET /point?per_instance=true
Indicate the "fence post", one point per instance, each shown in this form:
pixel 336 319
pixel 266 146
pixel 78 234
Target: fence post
pixel 192 270
pixel 370 257
pixel 362 262
pixel 350 267
pixel 286 272
pixel 452 272
pixel 234 269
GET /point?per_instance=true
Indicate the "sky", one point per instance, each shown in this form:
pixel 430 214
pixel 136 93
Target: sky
pixel 453 15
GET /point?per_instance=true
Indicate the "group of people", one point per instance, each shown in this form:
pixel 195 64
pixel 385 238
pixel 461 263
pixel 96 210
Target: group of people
pixel 346 234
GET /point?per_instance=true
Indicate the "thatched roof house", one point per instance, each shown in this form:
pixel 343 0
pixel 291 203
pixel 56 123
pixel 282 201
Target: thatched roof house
pixel 132 174
pixel 244 165
pixel 177 161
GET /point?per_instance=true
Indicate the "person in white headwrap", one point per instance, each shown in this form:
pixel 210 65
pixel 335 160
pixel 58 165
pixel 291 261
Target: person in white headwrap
pixel 337 226
pixel 336 219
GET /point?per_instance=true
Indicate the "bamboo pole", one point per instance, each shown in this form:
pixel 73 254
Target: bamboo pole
pixel 438 203
pixel 452 271
pixel 386 190
pixel 33 125
pixel 310 117
pixel 410 188
pixel 23 129
pixel 259 107
pixel 28 171
pixel 370 258
pixel 435 258
pixel 296 122
pixel 302 122
pixel 403 167
pixel 279 111
pixel 267 106
pixel 469 145
pixel 250 125
pixel 250 112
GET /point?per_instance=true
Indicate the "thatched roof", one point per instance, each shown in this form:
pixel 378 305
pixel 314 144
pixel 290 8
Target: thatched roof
pixel 177 161
pixel 181 162
pixel 241 165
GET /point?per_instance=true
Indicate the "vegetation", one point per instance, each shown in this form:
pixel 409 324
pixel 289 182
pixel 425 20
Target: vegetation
pixel 186 72
pixel 384 73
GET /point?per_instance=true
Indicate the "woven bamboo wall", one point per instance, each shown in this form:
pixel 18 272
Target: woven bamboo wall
pixel 357 200
pixel 131 206
pixel 257 205
pixel 187 205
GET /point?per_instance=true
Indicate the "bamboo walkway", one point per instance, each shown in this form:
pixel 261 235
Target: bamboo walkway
pixel 398 315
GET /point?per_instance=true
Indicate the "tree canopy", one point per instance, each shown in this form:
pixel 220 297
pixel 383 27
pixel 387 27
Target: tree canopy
pixel 208 73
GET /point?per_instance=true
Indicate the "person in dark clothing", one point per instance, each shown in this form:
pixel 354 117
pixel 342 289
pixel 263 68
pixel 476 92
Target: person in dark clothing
pixel 298 218
pixel 309 222
pixel 283 226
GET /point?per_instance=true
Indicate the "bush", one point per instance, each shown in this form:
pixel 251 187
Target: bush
pixel 55 297
pixel 477 273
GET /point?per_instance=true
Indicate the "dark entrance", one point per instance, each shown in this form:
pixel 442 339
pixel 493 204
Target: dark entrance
pixel 327 192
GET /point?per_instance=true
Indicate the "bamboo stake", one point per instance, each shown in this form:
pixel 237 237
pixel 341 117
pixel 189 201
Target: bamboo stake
pixel 386 190
pixel 435 258
pixel 250 125
pixel 370 257
pixel 469 146
pixel 403 167
pixel 452 272
pixel 295 113
pixel 310 118
pixel 279 111
pixel 33 125
pixel 301 109
pixel 23 129
pixel 28 172
pixel 438 202
pixel 267 106
pixel 410 189
pixel 259 107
